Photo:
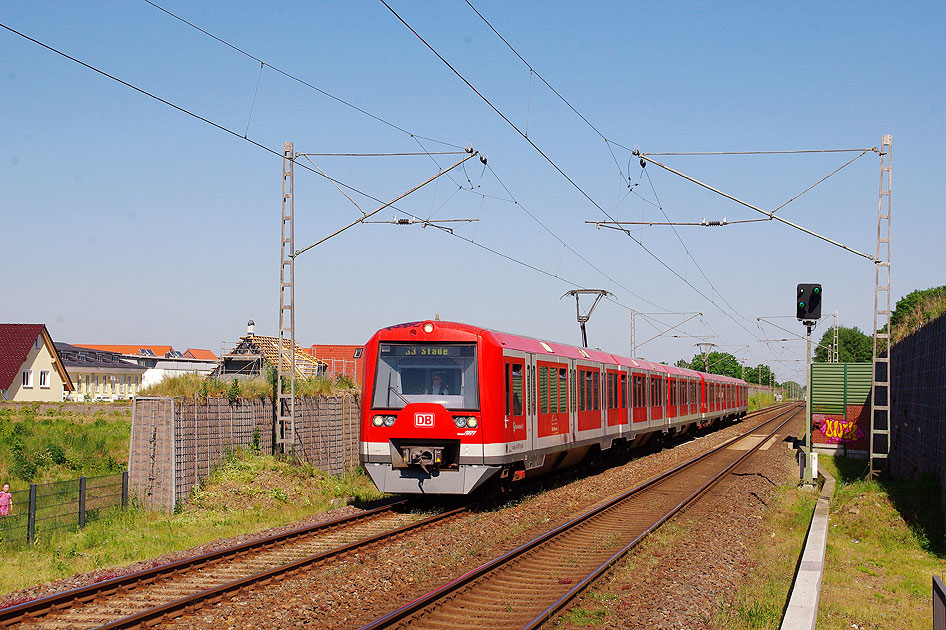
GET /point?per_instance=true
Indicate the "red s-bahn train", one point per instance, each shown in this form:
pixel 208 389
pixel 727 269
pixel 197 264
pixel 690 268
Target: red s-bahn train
pixel 449 407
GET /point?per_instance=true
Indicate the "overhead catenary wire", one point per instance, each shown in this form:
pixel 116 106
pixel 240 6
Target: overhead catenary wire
pixel 551 161
pixel 259 145
pixel 298 79
pixel 646 156
pixel 775 152
pixel 533 71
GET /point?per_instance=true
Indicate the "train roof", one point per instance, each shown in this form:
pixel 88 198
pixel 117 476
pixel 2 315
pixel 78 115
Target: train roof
pixel 555 349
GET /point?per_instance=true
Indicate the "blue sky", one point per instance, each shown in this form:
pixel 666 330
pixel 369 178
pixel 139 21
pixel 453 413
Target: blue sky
pixel 126 221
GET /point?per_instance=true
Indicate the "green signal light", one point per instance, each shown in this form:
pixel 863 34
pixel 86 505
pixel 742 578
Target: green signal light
pixel 801 305
pixel 817 290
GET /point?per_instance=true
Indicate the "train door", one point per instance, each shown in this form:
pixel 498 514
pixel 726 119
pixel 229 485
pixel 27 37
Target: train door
pixel 516 434
pixel 553 413
pixel 655 399
pixel 638 398
pixel 615 398
pixel 589 398
pixel 671 398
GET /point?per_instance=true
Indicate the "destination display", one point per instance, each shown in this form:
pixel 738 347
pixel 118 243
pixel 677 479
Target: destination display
pixel 427 350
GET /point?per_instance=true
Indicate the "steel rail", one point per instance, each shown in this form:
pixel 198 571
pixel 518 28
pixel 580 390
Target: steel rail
pixel 154 615
pixel 61 601
pixel 443 591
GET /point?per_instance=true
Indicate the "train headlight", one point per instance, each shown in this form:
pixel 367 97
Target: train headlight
pixel 428 328
pixel 389 421
pixel 472 422
pixel 377 421
pixel 460 421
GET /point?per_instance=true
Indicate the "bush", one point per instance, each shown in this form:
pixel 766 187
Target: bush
pixel 56 453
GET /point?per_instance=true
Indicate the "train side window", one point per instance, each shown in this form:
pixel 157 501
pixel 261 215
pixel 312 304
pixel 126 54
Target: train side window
pixel 543 389
pixel 624 391
pixel 516 389
pixel 562 390
pixel 581 390
pixel 597 390
pixel 589 391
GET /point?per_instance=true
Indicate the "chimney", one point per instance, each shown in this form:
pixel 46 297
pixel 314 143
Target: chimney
pixel 250 328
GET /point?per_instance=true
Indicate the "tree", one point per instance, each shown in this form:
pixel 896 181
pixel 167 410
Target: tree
pixel 716 363
pixel 853 346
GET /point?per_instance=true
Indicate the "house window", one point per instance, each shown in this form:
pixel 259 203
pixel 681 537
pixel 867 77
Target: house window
pixel 96 381
pixel 27 378
pixel 39 343
pixel 44 378
pixel 78 384
pixel 114 384
pixel 121 383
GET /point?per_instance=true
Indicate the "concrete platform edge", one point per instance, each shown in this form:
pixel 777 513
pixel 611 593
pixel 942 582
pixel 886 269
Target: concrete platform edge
pixel 802 610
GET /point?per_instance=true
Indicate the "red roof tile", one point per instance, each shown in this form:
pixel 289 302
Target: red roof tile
pixel 16 341
pixel 198 353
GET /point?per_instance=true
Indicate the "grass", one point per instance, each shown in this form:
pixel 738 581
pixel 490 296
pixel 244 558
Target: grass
pixel 191 385
pixel 885 541
pixel 760 601
pixel 58 445
pixel 927 306
pixel 248 493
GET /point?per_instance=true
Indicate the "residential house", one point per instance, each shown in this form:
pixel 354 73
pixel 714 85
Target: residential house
pixel 100 374
pixel 159 362
pixel 30 367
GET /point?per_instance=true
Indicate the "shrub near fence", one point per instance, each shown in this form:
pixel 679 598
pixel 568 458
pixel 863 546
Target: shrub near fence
pixel 61 505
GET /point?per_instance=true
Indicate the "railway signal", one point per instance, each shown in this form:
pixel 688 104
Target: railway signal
pixel 808 311
pixel 808 305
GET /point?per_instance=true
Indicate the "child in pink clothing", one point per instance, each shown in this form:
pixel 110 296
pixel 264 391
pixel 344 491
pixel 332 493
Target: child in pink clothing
pixel 6 500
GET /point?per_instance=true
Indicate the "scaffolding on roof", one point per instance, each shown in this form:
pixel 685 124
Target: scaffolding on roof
pixel 253 351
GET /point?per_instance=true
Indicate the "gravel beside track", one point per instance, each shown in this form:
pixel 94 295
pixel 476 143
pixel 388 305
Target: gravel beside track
pixel 367 585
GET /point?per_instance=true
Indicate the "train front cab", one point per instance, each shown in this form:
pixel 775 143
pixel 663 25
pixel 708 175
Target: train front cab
pixel 423 409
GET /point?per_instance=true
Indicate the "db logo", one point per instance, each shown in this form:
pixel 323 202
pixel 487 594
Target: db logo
pixel 423 419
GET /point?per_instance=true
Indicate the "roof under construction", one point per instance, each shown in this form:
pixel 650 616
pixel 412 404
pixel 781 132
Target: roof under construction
pixel 254 351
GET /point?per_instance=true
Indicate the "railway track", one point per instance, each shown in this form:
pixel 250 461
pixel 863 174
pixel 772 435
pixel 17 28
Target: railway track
pixel 146 597
pixel 161 593
pixel 526 586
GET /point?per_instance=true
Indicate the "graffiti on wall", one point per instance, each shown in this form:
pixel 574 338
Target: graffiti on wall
pixel 836 429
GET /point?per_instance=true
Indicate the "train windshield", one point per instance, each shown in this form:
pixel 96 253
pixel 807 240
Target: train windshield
pixel 424 372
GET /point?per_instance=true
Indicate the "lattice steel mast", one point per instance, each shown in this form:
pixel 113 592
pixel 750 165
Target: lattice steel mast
pixel 880 394
pixel 286 400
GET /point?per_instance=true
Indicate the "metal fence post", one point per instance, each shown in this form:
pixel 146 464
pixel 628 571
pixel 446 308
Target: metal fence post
pixel 31 516
pixel 124 489
pixel 939 604
pixel 81 502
